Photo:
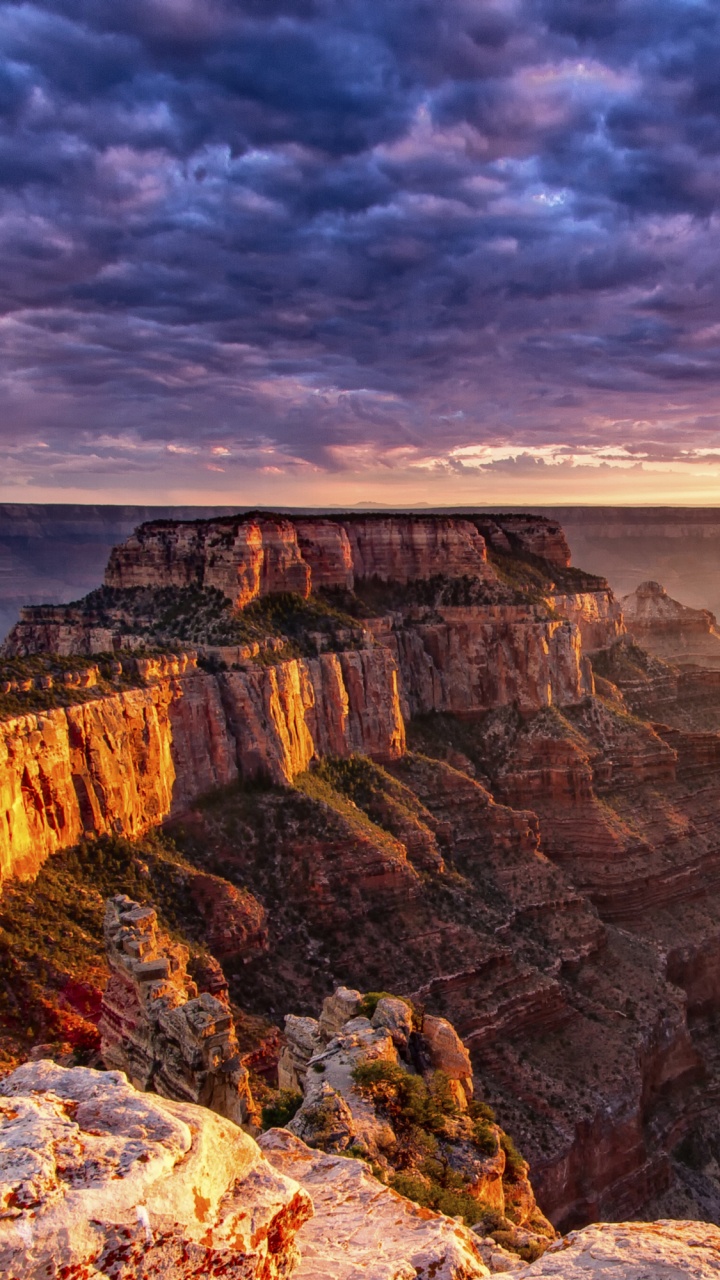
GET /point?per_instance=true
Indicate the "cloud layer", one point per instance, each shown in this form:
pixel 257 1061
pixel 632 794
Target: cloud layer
pixel 433 248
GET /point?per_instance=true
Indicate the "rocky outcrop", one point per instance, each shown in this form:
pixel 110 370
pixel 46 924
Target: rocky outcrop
pixel 99 1180
pixel 343 1110
pixel 670 630
pixel 361 1228
pixel 157 1029
pixel 632 1251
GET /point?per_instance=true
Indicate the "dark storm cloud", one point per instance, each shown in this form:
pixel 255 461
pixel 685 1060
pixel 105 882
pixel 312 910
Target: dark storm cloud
pixel 302 230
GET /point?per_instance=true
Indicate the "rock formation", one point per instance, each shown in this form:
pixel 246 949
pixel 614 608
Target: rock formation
pixel 98 1180
pixel 157 1029
pixel 670 630
pixel 632 1251
pixel 125 761
pixel 250 556
pixel 456 1151
pixel 361 1228
pixel 540 869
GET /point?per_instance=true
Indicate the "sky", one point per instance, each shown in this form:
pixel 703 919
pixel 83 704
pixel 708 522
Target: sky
pixel 338 251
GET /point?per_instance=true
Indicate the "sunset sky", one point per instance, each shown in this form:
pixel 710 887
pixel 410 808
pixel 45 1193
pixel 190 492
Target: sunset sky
pixel 335 251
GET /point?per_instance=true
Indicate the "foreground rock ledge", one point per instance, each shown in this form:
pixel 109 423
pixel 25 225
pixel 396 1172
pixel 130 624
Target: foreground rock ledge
pixel 664 1250
pixel 361 1230
pixel 97 1180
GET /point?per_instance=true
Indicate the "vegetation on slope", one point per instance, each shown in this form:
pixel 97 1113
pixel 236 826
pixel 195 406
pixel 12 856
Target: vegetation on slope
pixel 52 952
pixel 45 681
pixel 203 615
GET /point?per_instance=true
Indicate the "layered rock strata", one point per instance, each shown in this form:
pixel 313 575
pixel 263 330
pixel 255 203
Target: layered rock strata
pixel 488 656
pixel 250 556
pixel 670 630
pixel 124 762
pixel 157 1029
pixel 98 1180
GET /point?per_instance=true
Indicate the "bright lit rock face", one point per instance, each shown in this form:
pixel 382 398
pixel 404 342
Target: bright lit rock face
pixel 632 1251
pixel 362 1229
pixel 126 761
pixel 97 1180
pixel 247 557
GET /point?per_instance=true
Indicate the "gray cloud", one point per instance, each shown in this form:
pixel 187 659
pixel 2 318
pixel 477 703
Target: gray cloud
pixel 315 232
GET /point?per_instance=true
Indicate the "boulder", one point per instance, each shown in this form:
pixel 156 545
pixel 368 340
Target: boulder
pixel 100 1181
pixel 337 1009
pixel 447 1051
pixel 396 1016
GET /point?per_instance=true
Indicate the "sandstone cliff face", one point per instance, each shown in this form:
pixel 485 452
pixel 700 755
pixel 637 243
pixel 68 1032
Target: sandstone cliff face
pixel 489 656
pixel 597 614
pixel 126 761
pixel 254 556
pixel 97 1179
pixel 117 763
pixel 285 716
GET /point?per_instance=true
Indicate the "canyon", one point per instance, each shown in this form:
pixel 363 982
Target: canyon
pixel 467 780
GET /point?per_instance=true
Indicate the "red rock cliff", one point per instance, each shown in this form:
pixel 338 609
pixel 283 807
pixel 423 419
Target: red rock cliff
pixel 126 761
pixel 246 557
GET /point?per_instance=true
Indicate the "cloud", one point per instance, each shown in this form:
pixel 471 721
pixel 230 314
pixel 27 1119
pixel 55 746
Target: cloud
pixel 306 237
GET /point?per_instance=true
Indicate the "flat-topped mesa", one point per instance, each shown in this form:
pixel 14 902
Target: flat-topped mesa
pixel 248 556
pixel 157 1029
pixel 671 630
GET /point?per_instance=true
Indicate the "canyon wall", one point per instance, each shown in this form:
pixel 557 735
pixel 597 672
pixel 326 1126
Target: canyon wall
pixel 247 557
pixel 475 659
pixel 125 761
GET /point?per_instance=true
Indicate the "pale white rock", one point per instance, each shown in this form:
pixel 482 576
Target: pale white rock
pixel 302 1042
pixel 396 1016
pixel 338 1009
pixel 333 1068
pixel 495 1257
pixel 663 1250
pixel 361 1229
pixel 98 1180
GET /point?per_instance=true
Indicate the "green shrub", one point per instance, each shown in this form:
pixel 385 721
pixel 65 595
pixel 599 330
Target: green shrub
pixel 481 1111
pixel 485 1137
pixel 514 1163
pixel 277 1113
